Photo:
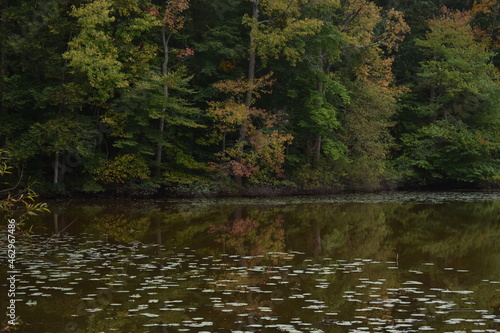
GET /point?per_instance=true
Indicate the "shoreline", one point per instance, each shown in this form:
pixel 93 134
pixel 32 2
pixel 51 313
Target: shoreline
pixel 264 192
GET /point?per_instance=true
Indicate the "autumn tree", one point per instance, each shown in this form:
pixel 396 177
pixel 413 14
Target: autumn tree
pixel 264 133
pixel 276 28
pixel 100 50
pixel 370 35
pixel 114 95
pixel 487 23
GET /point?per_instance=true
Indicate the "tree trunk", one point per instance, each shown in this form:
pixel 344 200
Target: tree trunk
pixel 161 124
pixel 317 145
pixel 317 151
pixel 252 57
pixel 159 147
pixel 248 98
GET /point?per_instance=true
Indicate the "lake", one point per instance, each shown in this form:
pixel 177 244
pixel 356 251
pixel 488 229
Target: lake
pixel 396 262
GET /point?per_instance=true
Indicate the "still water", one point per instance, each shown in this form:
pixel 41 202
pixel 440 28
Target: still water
pixel 401 262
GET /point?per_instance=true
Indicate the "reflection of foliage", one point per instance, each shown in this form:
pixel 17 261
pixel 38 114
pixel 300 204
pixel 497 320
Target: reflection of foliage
pixel 122 228
pixel 369 231
pixel 92 210
pixel 450 231
pixel 345 231
pixel 253 235
pixel 365 234
pixel 457 234
pixel 182 223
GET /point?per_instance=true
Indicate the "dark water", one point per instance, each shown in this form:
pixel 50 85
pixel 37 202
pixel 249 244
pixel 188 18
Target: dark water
pixel 373 263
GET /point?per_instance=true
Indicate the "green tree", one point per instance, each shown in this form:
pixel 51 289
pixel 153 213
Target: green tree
pixel 35 81
pixel 459 133
pixel 172 21
pixel 117 50
pixel 328 94
pixel 457 71
pixel 94 52
pixel 447 151
pixel 60 136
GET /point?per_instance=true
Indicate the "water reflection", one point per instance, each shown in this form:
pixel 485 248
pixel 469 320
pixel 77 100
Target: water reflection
pixel 259 232
pixel 364 266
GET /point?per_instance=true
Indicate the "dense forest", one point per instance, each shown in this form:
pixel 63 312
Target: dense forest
pixel 192 97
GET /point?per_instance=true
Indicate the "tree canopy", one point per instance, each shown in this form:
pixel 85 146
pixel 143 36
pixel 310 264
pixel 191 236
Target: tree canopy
pixel 222 96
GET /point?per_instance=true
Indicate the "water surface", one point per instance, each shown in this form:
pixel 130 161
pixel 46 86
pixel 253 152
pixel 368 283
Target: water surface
pixel 401 262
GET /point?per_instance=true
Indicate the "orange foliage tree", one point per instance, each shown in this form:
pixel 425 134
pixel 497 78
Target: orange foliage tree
pixel 261 152
pixel 371 36
pixel 485 13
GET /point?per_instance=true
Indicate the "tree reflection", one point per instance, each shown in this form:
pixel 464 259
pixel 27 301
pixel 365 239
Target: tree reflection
pixel 257 233
pixel 239 263
pixel 448 232
pixel 120 227
pixel 342 231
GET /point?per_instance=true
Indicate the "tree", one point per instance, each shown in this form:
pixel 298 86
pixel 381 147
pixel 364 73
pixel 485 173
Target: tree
pixel 36 85
pixel 107 55
pixel 89 85
pixel 486 22
pixel 263 132
pixel 451 151
pixel 95 50
pixel 457 70
pixel 279 34
pixel 172 21
pixel 117 51
pixel 458 140
pixel 60 136
pixel 370 36
pixel 328 94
